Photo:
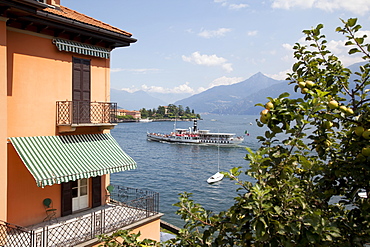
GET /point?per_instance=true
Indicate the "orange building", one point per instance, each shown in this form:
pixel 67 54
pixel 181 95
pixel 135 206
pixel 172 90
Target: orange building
pixel 134 114
pixel 56 152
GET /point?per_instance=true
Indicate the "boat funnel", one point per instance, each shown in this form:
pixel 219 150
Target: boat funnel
pixel 195 127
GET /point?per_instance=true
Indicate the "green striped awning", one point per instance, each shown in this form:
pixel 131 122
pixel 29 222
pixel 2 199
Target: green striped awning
pixel 56 159
pixel 80 48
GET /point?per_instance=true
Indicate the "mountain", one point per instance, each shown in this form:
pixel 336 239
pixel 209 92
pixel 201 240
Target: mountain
pixel 134 101
pixel 236 97
pixel 247 105
pixel 254 90
pixel 169 97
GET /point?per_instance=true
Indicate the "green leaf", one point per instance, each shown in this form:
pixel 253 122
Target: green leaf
pixel 353 50
pixel 359 40
pixel 260 229
pixel 284 95
pixel 351 22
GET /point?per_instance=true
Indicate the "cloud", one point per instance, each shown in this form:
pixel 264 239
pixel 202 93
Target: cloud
pixel 139 71
pixel 252 33
pixel 287 4
pixel 359 7
pixel 208 60
pixel 232 6
pixel 184 88
pixel 337 47
pixel 282 75
pixel 225 81
pixel 220 81
pixel 214 33
pixel 189 30
pixel 238 6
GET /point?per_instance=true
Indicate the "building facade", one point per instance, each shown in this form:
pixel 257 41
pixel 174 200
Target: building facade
pixel 134 114
pixel 55 142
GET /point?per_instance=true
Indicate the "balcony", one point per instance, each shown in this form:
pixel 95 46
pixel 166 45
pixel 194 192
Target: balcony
pixel 73 114
pixel 128 206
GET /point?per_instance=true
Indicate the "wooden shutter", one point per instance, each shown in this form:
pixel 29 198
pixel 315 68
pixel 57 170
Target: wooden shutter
pixel 81 79
pixel 66 207
pixel 81 90
pixel 96 191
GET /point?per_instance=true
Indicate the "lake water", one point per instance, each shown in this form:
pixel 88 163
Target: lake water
pixel 171 169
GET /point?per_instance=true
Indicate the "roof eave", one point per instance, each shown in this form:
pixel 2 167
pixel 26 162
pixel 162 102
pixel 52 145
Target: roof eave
pixel 120 40
pixel 32 3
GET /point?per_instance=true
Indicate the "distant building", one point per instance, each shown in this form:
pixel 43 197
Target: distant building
pixel 56 150
pixel 134 114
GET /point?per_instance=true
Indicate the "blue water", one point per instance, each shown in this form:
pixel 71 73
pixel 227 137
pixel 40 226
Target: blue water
pixel 171 169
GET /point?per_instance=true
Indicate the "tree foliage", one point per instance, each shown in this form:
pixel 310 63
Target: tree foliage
pixel 171 111
pixel 313 160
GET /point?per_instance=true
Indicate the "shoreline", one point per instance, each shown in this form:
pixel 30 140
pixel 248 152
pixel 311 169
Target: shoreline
pixel 157 120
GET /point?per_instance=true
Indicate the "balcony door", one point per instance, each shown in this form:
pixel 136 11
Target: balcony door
pixel 81 86
pixel 76 195
pixel 80 195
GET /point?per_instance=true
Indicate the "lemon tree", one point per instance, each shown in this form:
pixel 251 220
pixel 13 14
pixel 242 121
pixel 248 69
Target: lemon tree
pixel 313 160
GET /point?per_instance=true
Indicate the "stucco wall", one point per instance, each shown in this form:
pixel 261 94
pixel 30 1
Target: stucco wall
pixel 150 230
pixel 25 205
pixel 38 75
pixel 3 121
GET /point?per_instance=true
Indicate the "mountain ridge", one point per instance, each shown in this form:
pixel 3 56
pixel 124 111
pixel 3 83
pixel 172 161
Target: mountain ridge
pixel 222 98
pixel 236 99
pixel 134 101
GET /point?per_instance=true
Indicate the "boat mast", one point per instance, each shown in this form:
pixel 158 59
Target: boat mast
pixel 218 152
pixel 174 125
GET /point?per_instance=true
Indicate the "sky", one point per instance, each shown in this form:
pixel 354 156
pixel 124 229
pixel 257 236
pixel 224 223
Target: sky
pixel 188 46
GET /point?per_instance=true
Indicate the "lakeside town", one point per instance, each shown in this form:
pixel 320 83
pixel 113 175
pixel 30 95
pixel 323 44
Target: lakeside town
pixel 55 167
pixel 304 179
pixel 163 113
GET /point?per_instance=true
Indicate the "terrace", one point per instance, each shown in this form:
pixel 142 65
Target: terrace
pixel 127 206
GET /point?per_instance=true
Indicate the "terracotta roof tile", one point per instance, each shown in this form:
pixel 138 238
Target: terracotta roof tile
pixel 74 15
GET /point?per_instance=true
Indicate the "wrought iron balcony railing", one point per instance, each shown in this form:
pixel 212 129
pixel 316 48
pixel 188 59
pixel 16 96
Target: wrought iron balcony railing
pixel 131 205
pixel 86 112
pixel 133 198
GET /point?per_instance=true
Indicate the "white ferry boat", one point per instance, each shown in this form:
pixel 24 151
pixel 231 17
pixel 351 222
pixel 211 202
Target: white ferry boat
pixel 195 136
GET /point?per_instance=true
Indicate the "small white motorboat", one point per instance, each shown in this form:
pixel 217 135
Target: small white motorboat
pixel 215 178
pixel 145 120
pixel 362 194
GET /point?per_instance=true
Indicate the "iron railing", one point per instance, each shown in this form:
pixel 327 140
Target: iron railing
pixel 15 236
pixel 136 198
pixel 86 112
pixel 136 205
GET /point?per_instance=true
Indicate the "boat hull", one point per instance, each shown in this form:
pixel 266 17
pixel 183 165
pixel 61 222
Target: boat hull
pixel 164 138
pixel 215 178
pixel 195 136
pixel 192 140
